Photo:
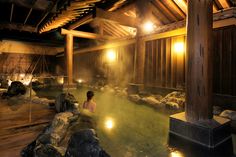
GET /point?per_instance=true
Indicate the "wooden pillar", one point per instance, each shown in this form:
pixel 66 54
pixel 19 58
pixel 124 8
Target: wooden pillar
pixel 139 59
pixel 69 58
pixel 199 60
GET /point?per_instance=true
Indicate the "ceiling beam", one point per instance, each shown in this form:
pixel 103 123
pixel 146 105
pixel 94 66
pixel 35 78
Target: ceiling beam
pixel 19 27
pixel 86 35
pixel 49 9
pixel 110 45
pixel 114 16
pixel 6 46
pixel 12 9
pixel 28 15
pixel 84 20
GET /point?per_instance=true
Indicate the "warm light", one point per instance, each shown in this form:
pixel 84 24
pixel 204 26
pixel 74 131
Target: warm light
pixel 176 154
pixel 111 55
pixel 109 124
pixel 79 80
pixel 179 47
pixel 9 82
pixel 60 80
pixel 22 75
pixel 148 27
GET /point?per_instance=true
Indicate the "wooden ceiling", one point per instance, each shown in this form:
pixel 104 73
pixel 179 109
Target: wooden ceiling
pixel 46 15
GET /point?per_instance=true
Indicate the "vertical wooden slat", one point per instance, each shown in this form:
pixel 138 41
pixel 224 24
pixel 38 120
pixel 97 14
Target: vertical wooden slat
pixel 154 62
pixel 159 63
pixel 233 71
pixel 173 65
pixel 163 65
pixel 168 62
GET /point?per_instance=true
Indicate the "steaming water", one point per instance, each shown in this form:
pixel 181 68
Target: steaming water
pixel 126 129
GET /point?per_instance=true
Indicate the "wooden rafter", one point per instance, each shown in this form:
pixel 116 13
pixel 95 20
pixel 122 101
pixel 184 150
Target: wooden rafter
pixel 49 9
pixel 112 30
pixel 182 5
pixel 224 4
pixel 113 16
pixel 217 3
pixel 12 10
pixel 28 15
pixel 174 8
pixel 82 21
pixel 158 14
pixel 164 9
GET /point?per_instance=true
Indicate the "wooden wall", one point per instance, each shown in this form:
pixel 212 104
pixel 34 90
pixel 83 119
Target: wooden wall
pixel 164 62
pixel 164 67
pixel 224 61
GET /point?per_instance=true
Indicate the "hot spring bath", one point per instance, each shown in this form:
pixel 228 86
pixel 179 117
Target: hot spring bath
pixel 127 129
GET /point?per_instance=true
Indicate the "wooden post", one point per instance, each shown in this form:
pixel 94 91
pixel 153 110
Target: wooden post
pixel 69 58
pixel 139 59
pixel 199 60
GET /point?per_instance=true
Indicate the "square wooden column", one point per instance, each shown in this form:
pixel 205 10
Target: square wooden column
pixel 199 60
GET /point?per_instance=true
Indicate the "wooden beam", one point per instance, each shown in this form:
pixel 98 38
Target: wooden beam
pixel 11 46
pixel 120 18
pixel 49 9
pixel 112 44
pixel 158 14
pixel 19 27
pixel 182 5
pixel 224 4
pixel 225 22
pixel 82 21
pixel 28 15
pixel 166 10
pixel 175 9
pixel 12 9
pixel 227 13
pixel 176 32
pixel 87 35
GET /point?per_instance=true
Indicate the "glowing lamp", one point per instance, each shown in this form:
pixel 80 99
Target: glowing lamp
pixel 176 154
pixel 109 124
pixel 179 47
pixel 148 27
pixel 80 80
pixel 111 56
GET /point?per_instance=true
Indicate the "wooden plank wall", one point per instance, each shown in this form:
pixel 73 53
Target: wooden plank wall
pixel 88 66
pixel 166 68
pixel 224 67
pixel 164 65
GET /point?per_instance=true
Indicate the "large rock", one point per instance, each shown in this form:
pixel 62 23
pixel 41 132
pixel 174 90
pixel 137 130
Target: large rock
pixel 16 88
pixel 174 100
pixel 135 98
pixel 65 102
pixel 84 143
pixel 217 110
pixel 36 85
pixel 48 143
pixel 54 140
pixel 59 127
pixel 230 114
pixel 151 100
